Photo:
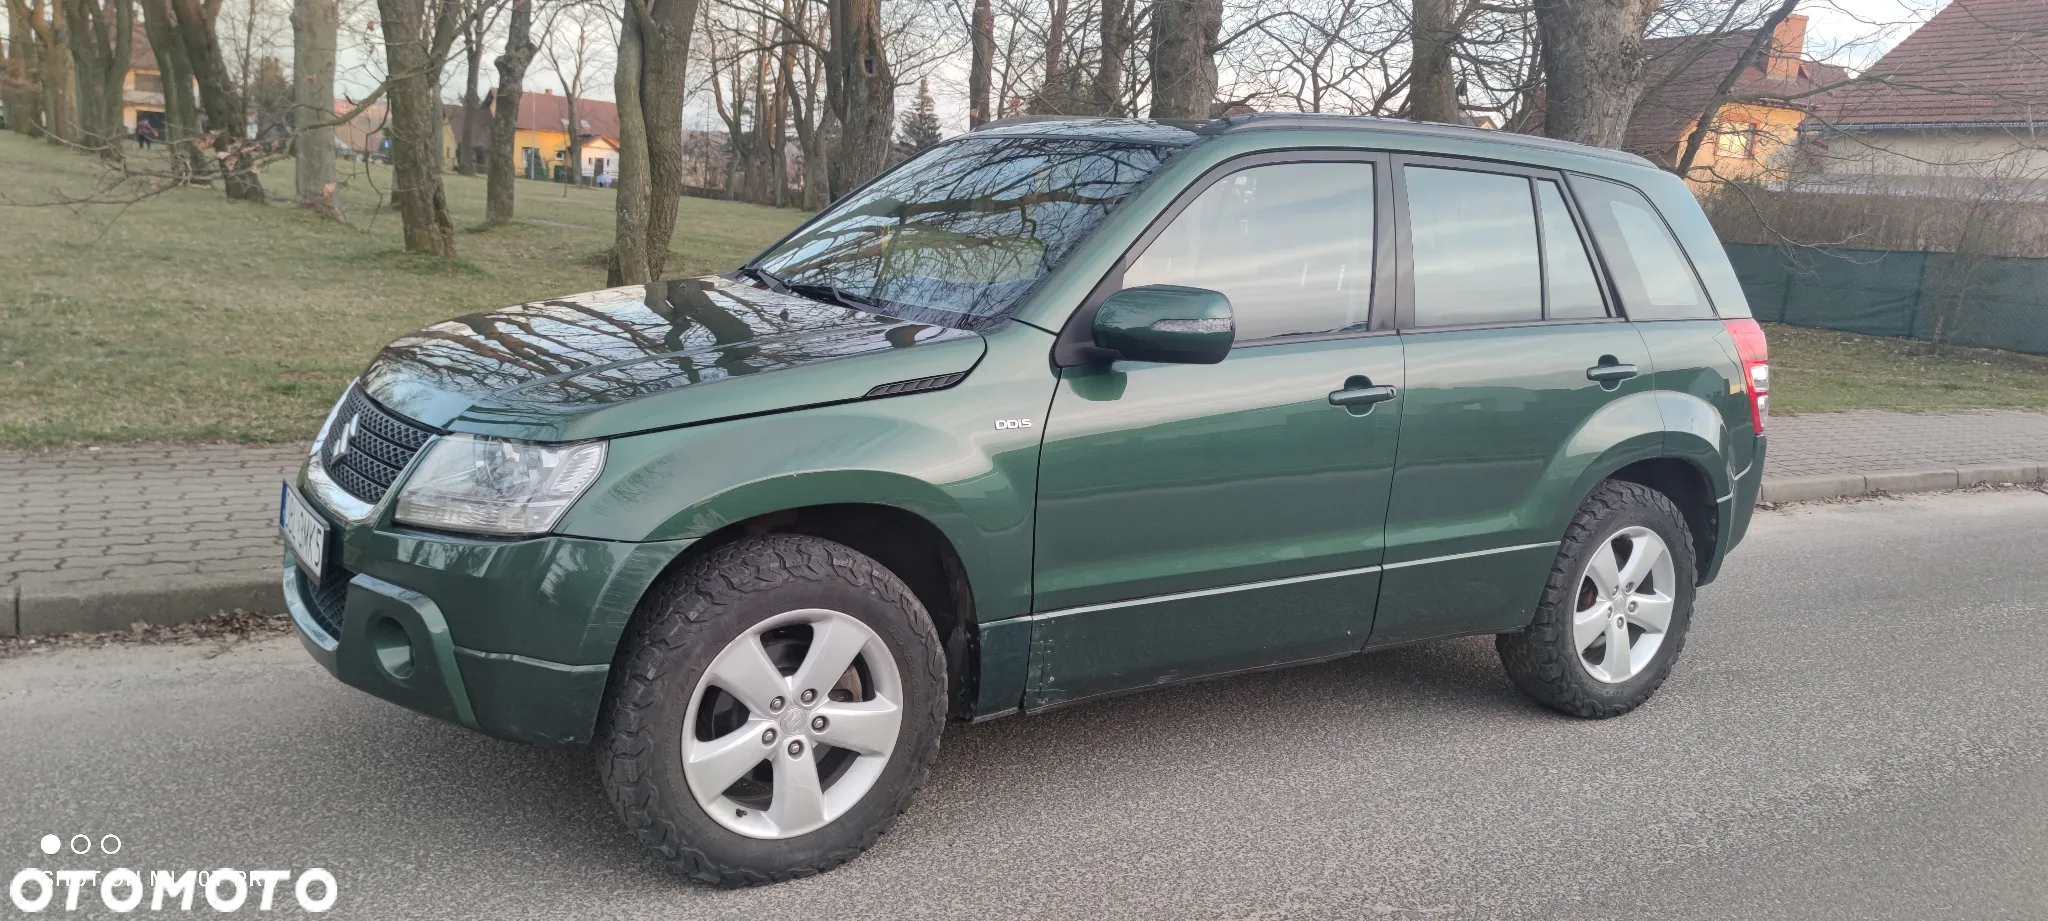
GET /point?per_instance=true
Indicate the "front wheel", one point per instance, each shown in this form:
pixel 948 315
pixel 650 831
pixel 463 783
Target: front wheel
pixel 1615 611
pixel 777 704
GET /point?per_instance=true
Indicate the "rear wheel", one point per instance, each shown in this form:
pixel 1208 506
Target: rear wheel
pixel 778 703
pixel 1615 611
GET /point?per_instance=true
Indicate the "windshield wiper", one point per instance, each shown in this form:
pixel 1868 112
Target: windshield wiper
pixel 765 277
pixel 836 295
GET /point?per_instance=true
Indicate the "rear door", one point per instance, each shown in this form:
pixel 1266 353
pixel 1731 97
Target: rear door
pixel 1200 519
pixel 1512 350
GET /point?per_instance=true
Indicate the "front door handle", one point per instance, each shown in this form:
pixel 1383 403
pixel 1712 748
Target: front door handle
pixel 1361 395
pixel 1611 373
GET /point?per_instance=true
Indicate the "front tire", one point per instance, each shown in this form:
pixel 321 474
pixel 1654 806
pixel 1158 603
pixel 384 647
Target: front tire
pixel 1614 614
pixel 777 703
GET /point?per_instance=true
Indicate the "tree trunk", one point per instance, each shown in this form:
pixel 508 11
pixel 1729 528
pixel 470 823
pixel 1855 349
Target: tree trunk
pixel 1052 94
pixel 1593 67
pixel 1108 91
pixel 226 119
pixel 1432 85
pixel 575 176
pixel 473 57
pixel 21 80
pixel 315 28
pixel 651 84
pixel 519 49
pixel 982 64
pixel 99 35
pixel 181 110
pixel 861 92
pixel 417 36
pixel 50 56
pixel 1184 36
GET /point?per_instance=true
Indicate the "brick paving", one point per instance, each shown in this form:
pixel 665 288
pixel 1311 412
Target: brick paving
pixel 1870 441
pixel 70 518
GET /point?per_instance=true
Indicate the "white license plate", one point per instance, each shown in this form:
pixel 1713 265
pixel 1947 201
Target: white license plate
pixel 305 532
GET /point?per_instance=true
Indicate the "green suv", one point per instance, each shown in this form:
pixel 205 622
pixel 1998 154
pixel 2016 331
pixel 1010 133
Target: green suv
pixel 1056 410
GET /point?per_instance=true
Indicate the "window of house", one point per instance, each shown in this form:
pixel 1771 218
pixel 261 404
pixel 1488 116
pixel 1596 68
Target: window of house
pixel 1473 238
pixel 1290 244
pixel 1736 139
pixel 149 83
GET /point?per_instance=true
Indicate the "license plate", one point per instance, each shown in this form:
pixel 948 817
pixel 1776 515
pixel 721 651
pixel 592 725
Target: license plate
pixel 305 532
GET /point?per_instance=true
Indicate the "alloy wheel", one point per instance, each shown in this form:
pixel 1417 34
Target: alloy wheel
pixel 792 723
pixel 1623 605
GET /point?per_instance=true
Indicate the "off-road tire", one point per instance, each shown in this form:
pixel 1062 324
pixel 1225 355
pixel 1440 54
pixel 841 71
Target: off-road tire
pixel 681 625
pixel 1542 660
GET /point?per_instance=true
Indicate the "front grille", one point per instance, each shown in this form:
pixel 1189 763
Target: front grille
pixel 369 446
pixel 328 597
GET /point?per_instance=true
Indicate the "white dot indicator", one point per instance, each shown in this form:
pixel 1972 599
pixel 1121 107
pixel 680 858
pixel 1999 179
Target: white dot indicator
pixel 51 843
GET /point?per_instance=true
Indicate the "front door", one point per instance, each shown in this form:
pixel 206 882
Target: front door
pixel 1201 519
pixel 1511 354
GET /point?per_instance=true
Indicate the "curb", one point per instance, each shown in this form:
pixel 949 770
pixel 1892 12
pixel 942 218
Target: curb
pixel 113 604
pixel 1840 485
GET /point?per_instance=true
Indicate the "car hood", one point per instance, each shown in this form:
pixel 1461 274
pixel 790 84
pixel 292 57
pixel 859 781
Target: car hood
pixel 654 356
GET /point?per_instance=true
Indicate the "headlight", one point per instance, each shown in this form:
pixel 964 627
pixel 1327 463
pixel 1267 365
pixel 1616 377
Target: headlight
pixel 501 488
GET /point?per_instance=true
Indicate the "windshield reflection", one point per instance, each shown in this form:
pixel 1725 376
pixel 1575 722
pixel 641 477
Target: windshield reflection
pixel 959 235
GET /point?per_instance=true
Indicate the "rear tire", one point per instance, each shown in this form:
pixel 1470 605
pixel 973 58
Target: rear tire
pixel 708 678
pixel 1614 613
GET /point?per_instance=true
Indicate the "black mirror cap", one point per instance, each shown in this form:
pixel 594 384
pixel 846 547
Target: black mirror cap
pixel 1164 323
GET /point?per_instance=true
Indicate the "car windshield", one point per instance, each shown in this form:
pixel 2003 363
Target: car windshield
pixel 959 235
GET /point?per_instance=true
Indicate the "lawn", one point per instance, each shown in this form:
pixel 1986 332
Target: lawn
pixel 190 318
pixel 1818 370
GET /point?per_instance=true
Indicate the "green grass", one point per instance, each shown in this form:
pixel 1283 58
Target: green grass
pixel 190 318
pixel 1818 370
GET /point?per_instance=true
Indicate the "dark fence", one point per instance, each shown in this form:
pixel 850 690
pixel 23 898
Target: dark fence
pixel 1974 301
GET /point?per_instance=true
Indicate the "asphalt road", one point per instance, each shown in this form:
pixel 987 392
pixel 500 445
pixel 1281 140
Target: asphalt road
pixel 1859 729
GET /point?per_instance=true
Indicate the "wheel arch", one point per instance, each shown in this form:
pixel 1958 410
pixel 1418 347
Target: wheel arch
pixel 1688 487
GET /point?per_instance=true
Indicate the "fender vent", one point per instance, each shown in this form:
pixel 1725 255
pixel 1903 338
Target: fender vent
pixel 920 385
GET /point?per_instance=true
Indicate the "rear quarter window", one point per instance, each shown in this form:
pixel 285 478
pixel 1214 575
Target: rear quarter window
pixel 1657 282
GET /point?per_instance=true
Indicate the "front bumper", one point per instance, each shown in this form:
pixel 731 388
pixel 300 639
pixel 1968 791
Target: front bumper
pixel 511 638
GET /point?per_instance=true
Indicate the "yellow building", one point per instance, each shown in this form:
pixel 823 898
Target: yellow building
pixel 542 138
pixel 1752 138
pixel 142 91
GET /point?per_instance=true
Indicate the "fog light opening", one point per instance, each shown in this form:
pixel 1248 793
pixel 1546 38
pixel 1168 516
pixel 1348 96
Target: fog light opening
pixel 393 647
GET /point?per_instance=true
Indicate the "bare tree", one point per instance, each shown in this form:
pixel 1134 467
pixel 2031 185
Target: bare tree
pixel 1433 83
pixel 650 84
pixel 1112 58
pixel 192 23
pixel 861 90
pixel 20 73
pixel 1184 41
pixel 483 15
pixel 511 66
pixel 577 47
pixel 1593 66
pixel 50 54
pixel 181 106
pixel 315 27
pixel 418 35
pixel 981 64
pixel 99 32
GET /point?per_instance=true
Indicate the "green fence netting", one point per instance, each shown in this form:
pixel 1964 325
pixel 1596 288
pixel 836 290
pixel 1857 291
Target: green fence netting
pixel 1974 301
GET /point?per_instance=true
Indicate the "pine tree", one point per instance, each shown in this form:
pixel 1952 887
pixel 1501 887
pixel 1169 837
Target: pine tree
pixel 920 126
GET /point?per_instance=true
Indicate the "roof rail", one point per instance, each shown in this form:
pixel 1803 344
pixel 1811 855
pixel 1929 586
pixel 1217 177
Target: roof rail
pixel 1313 120
pixel 1037 119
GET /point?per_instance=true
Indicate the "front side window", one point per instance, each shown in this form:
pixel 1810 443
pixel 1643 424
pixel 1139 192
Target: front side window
pixel 1473 237
pixel 960 234
pixel 1290 244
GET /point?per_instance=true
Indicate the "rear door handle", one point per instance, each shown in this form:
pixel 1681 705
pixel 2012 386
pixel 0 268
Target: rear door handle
pixel 1361 396
pixel 1607 373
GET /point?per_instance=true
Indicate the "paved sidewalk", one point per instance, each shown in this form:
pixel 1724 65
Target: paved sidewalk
pixel 99 539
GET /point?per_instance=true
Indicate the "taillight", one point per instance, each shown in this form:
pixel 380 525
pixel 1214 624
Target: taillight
pixel 1755 354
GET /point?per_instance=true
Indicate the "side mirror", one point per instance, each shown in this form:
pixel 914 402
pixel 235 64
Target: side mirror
pixel 1165 323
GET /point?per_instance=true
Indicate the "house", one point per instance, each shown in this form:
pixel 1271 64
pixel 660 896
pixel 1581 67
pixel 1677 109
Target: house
pixel 1959 108
pixel 363 135
pixel 142 90
pixel 1753 138
pixel 542 136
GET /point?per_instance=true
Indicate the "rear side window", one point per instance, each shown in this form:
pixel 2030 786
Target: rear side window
pixel 1473 237
pixel 1656 280
pixel 1574 291
pixel 1290 244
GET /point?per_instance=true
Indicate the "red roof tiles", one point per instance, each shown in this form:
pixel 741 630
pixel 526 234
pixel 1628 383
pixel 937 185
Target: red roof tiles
pixel 1975 62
